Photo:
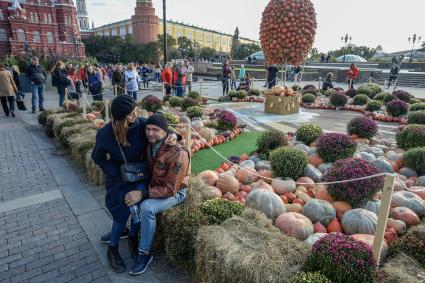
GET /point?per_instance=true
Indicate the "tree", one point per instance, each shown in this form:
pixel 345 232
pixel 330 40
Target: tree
pixel 362 51
pixel 207 53
pixel 185 47
pixel 241 51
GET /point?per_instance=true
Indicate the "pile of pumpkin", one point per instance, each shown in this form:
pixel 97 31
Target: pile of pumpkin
pixel 280 90
pixel 386 118
pixel 205 139
pixel 306 210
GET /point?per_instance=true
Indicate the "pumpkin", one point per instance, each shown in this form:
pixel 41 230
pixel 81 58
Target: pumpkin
pixel 390 235
pixel 295 225
pixel 216 191
pixel 341 207
pixel 321 192
pixel 319 210
pixel 409 200
pixel 285 200
pixel 406 215
pixel 247 175
pixel 306 182
pixel 207 134
pixel 373 206
pixel 315 160
pixel 244 157
pixel 314 238
pixel 227 183
pixel 260 184
pixel 263 165
pixel 299 201
pixel 266 176
pixel 419 191
pixel 398 225
pixel 265 201
pixel 290 197
pixel 319 228
pixel 197 125
pixel 359 221
pixel 229 196
pixel 247 163
pixel 209 177
pixel 283 186
pixel 368 240
pixel 90 116
pixel 334 226
pixel 295 207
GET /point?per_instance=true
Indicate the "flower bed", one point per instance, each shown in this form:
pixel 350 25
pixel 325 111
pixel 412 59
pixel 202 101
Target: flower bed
pixel 254 95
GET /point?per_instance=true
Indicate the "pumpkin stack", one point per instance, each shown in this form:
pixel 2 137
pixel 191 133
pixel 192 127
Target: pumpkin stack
pixel 287 31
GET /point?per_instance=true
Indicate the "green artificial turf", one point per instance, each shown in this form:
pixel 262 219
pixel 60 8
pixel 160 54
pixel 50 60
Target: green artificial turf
pixel 207 159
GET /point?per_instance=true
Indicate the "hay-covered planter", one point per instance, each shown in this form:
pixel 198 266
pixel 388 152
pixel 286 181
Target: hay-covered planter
pixel 281 105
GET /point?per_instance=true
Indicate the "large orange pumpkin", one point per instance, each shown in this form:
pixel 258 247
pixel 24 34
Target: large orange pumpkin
pixel 260 184
pixel 295 225
pixel 334 226
pixel 406 215
pixel 247 175
pixel 306 182
pixel 209 177
pixel 228 184
pixel 321 192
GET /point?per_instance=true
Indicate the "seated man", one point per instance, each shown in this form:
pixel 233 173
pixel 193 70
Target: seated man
pixel 169 166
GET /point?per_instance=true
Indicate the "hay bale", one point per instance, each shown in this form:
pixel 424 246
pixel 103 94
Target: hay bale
pixel 51 118
pixel 247 248
pixel 403 269
pixel 198 192
pixel 94 173
pixel 81 143
pixel 67 132
pixel 61 123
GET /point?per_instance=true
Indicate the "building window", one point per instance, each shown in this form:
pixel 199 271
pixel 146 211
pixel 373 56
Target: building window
pixel 37 37
pixel 3 35
pixel 49 16
pixel 50 39
pixel 45 18
pixel 107 32
pixel 179 34
pixel 130 29
pixel 114 32
pixel 21 35
pixel 36 17
pixel 1 15
pixel 122 31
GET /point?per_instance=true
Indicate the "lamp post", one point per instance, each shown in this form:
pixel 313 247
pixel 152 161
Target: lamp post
pixel 164 24
pixel 413 39
pixel 346 39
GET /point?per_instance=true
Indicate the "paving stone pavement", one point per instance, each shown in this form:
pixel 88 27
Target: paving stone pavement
pixel 51 217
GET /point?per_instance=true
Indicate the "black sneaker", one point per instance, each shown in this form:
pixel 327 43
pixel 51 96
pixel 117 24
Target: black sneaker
pixel 133 246
pixel 13 114
pixel 105 239
pixel 115 261
pixel 33 111
pixel 42 110
pixel 142 262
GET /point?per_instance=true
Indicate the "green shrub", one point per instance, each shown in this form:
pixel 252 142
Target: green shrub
pixel 310 277
pixel 240 94
pixel 211 124
pixel 417 117
pixel 411 136
pixel 254 92
pixel 296 88
pixel 360 99
pixel 414 101
pixel 151 103
pixel 232 93
pixel 374 105
pixel 381 96
pixel 269 141
pixel 313 91
pixel 218 210
pixel 194 111
pixel 288 162
pixel 415 158
pixel 342 259
pixel 417 107
pixel 225 98
pixel 172 119
pixel 308 98
pixel 363 127
pixel 338 99
pixel 412 244
pixel 370 89
pixel 195 95
pixel 334 146
pixel 189 102
pixel 175 101
pixel 308 133
pixel 329 92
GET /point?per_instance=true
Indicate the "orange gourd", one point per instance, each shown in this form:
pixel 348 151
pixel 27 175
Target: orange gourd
pixel 321 192
pixel 334 226
pixel 247 175
pixel 209 177
pixel 227 183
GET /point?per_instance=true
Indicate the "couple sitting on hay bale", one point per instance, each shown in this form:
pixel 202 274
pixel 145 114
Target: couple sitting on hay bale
pixel 145 174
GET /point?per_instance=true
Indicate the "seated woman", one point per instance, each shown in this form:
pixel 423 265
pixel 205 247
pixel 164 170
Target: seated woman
pixel 327 83
pixel 245 83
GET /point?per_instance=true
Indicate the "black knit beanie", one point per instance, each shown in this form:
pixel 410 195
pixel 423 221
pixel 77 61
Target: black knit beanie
pixel 122 106
pixel 158 120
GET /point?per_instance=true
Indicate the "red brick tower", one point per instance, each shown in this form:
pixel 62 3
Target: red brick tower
pixel 145 22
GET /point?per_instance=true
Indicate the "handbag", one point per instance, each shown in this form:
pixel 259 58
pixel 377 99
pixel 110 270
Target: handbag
pixel 133 172
pixel 21 105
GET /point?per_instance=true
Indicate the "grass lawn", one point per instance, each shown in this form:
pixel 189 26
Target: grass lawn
pixel 208 159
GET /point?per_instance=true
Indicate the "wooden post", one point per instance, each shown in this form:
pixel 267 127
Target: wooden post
pixel 201 86
pixel 163 90
pixel 395 85
pixel 107 119
pixel 320 83
pixel 386 84
pixel 384 210
pixel 66 99
pixel 83 95
pixel 370 80
pixel 189 146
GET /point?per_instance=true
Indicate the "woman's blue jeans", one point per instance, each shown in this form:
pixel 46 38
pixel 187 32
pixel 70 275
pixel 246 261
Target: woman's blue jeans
pixel 148 210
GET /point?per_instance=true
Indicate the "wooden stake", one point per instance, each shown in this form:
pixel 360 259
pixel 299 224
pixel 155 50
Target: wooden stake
pixel 163 90
pixel 66 99
pixel 395 86
pixel 320 83
pixel 189 146
pixel 384 210
pixel 83 95
pixel 201 86
pixel 107 119
pixel 370 80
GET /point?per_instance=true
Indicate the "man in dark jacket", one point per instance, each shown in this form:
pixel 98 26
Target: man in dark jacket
pixel 273 71
pixel 225 77
pixel 36 75
pixel 169 165
pixel 395 69
pixel 118 80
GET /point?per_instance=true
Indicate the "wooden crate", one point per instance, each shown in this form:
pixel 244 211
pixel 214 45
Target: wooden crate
pixel 282 105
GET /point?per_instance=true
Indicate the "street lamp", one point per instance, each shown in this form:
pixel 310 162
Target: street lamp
pixel 164 24
pixel 346 39
pixel 414 40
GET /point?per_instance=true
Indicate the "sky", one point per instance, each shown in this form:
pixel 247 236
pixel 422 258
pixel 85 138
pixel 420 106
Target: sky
pixel 388 23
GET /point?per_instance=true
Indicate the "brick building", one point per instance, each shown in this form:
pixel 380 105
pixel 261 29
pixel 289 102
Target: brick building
pixel 40 26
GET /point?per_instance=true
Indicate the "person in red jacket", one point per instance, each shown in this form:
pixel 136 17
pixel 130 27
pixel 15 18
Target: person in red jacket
pixel 167 78
pixel 353 74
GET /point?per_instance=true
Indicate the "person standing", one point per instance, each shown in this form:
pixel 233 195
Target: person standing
pixel 353 74
pixel 16 74
pixel 8 91
pixel 272 71
pixel 327 83
pixel 118 80
pixel 37 76
pixel 167 78
pixel 74 90
pixel 232 78
pixel 157 72
pixel 60 80
pixel 145 75
pixel 94 84
pixel 395 69
pixel 242 72
pixel 132 80
pixel 225 77
pixel 189 75
pixel 169 165
pixel 179 79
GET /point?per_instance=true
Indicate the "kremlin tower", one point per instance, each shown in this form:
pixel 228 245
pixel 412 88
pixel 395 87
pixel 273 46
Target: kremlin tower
pixel 145 22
